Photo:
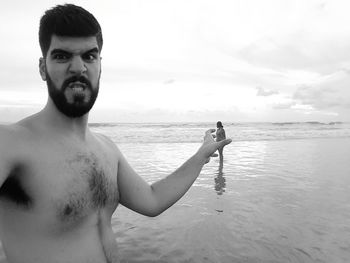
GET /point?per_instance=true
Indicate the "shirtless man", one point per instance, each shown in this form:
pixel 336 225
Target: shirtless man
pixel 59 182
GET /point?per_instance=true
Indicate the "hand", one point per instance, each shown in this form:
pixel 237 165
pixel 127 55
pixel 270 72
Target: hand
pixel 209 146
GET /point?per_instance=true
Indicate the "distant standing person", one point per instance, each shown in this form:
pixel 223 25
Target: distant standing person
pixel 220 135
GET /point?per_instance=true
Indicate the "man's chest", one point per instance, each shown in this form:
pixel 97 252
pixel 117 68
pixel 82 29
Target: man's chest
pixel 68 185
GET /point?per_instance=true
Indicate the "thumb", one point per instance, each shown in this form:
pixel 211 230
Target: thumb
pixel 224 142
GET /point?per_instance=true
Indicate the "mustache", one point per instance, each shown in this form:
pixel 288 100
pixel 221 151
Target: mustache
pixel 81 79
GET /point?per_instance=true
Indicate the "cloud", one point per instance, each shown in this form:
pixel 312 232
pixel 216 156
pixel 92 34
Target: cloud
pixel 274 54
pixel 203 55
pixel 314 36
pixel 332 93
pixel 283 106
pixel 326 96
pixel 169 81
pixel 304 54
pixel 346 70
pixel 265 92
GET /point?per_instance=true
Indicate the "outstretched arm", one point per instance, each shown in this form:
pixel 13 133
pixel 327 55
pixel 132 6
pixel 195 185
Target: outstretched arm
pixel 151 200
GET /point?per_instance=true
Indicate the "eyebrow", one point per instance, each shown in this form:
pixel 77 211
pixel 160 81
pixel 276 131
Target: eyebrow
pixel 60 51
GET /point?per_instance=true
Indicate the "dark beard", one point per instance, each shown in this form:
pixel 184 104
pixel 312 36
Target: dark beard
pixel 79 107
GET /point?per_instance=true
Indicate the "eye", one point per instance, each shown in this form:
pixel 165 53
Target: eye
pixel 90 57
pixel 60 57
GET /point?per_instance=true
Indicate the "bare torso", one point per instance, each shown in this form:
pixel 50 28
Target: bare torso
pixel 220 134
pixel 58 198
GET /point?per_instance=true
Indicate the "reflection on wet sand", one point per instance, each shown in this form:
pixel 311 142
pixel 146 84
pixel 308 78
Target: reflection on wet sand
pixel 220 181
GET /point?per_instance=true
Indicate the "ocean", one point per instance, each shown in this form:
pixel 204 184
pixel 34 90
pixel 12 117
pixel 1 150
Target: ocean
pixel 193 132
pixel 281 194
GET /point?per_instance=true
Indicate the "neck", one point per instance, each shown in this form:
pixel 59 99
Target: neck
pixel 63 124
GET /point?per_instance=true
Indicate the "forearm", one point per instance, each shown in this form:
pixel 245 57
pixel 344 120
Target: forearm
pixel 171 188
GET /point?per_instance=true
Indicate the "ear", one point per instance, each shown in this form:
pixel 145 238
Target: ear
pixel 42 68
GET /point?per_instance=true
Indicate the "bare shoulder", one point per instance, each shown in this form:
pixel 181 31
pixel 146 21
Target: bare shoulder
pixel 105 140
pixel 10 143
pixel 8 135
pixel 106 143
pixel 12 138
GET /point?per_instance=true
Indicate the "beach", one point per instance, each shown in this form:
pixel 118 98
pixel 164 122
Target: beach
pixel 282 194
pixel 271 201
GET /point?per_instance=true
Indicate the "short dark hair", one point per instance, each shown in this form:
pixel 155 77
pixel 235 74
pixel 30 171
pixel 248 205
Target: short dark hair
pixel 68 20
pixel 219 124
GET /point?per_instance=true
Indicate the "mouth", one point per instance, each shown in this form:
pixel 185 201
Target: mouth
pixel 77 86
pixel 77 91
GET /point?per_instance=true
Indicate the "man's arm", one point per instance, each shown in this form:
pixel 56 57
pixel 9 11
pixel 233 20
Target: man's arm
pixel 151 200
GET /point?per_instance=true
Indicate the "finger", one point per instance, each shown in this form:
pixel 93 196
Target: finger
pixel 208 136
pixel 210 131
pixel 224 142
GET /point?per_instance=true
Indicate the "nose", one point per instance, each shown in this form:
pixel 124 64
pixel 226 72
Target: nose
pixel 77 65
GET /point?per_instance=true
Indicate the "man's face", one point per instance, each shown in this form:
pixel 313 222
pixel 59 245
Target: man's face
pixel 72 69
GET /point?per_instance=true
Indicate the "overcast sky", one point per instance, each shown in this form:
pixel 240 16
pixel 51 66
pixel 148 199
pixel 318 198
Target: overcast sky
pixel 195 60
